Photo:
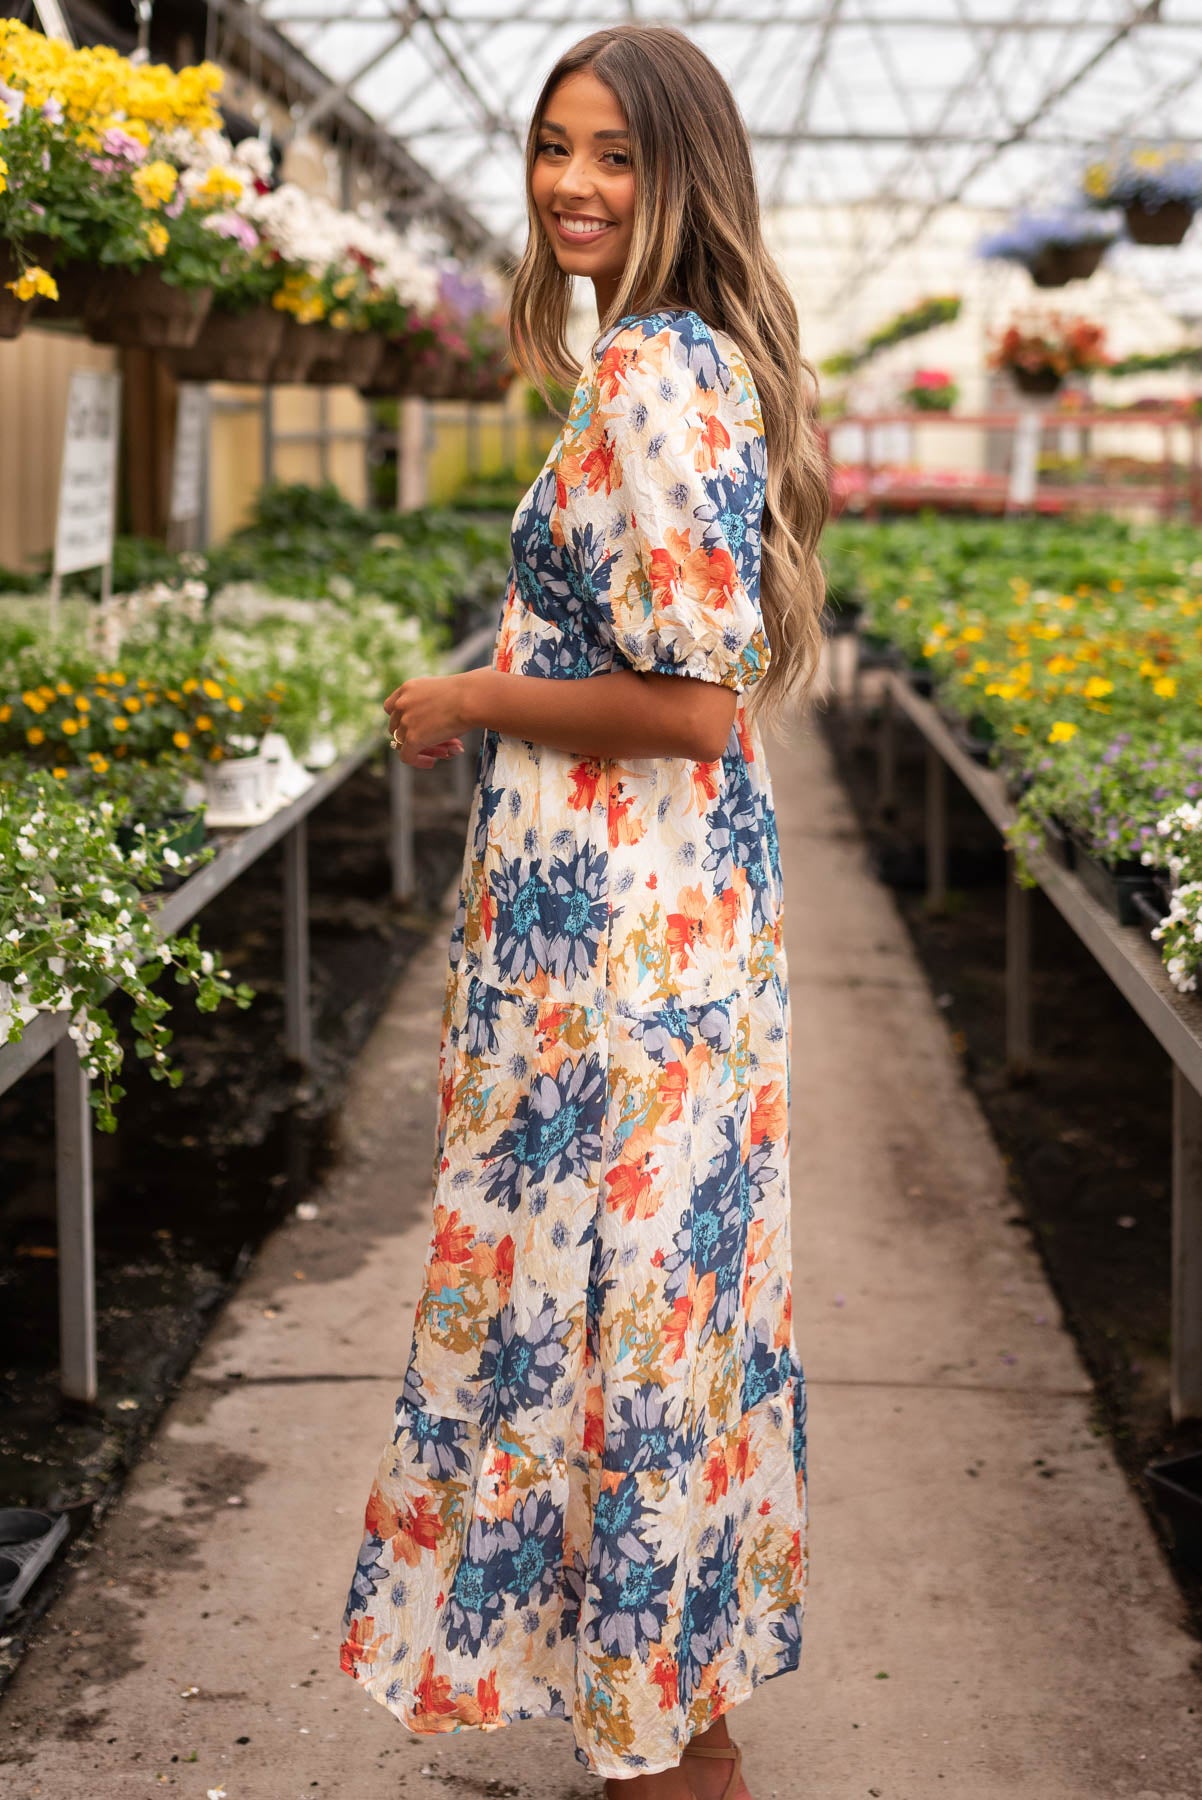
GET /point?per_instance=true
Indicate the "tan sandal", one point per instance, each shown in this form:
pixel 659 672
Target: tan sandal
pixel 731 1751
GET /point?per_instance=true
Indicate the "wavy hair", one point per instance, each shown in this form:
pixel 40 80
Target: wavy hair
pixel 697 242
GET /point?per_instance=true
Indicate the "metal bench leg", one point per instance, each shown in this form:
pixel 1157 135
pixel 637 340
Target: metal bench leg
pixel 886 767
pixel 936 830
pixel 1185 1382
pixel 400 835
pixel 298 1023
pixel 76 1235
pixel 1018 972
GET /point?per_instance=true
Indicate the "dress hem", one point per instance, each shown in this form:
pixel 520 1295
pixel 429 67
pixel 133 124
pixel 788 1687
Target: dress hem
pixel 620 1772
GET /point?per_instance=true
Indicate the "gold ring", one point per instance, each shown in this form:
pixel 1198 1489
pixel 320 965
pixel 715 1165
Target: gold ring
pixel 398 743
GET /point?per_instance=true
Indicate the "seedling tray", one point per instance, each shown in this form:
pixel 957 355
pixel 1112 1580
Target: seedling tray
pixel 1176 1482
pixel 28 1541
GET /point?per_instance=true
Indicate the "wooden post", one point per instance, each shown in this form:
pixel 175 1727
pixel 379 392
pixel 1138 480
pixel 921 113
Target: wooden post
pixel 76 1247
pixel 1185 1381
pixel 1018 972
pixel 298 1022
pixel 936 830
pixel 886 794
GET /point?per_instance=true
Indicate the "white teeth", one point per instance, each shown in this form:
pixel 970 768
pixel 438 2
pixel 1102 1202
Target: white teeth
pixel 584 227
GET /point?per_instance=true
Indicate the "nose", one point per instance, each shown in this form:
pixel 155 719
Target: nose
pixel 573 181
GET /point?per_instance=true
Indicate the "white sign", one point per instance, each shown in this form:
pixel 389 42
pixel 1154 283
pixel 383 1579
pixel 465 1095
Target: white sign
pixel 187 472
pixel 88 487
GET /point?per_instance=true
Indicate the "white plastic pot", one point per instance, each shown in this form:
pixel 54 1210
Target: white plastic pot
pixel 238 785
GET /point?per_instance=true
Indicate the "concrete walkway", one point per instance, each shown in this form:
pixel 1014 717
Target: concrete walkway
pixel 990 1617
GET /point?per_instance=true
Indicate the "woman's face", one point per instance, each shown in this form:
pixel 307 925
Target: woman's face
pixel 582 185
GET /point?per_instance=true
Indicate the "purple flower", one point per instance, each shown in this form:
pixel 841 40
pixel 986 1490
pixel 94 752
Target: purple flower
pixel 120 144
pixel 52 111
pixel 13 103
pixel 233 226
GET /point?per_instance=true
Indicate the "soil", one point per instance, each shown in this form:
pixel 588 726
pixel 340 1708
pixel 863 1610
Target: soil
pixel 1086 1134
pixel 195 1177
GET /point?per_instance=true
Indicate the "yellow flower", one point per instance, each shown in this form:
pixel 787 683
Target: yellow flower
pixel 34 702
pixel 32 282
pixel 132 704
pixel 6 713
pixel 234 704
pixel 173 694
pixel 1061 732
pixel 157 239
pixel 35 735
pixel 120 724
pixel 204 723
pixel 221 187
pixel 1097 687
pixel 99 763
pixel 154 184
pixel 82 703
pixel 70 727
pixel 1166 687
pixel 190 686
pixel 180 739
pixel 340 318
pixel 3 174
pixel 972 634
pixel 59 774
pixel 212 688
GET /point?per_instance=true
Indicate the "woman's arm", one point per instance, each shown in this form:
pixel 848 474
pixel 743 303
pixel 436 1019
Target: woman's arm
pixel 624 713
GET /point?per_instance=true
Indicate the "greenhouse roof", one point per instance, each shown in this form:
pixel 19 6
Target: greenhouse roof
pixel 903 107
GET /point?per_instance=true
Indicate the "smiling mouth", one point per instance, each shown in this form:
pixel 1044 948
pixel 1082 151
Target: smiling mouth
pixel 581 225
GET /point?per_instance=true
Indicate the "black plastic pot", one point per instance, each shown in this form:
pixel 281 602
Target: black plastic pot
pixel 1060 846
pixel 1115 885
pixel 28 1541
pixel 1176 1484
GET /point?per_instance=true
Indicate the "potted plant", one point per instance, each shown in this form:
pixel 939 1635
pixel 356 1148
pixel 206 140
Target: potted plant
pixel 1054 248
pixel 1159 191
pixel 1039 353
pixel 931 390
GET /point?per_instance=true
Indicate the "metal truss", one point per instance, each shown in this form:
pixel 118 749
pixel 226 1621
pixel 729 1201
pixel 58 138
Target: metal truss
pixel 892 110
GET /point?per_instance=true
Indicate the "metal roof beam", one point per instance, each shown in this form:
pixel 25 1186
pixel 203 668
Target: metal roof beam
pixel 1005 25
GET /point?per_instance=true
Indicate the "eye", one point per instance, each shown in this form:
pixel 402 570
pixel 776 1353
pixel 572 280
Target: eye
pixel 547 144
pixel 623 158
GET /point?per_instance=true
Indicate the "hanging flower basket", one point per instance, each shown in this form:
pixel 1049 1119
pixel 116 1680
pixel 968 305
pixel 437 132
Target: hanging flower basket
pixel 79 285
pixel 1044 380
pixel 390 377
pixel 299 347
pixel 14 314
pixel 232 347
pixel 433 375
pixel 1059 264
pixel 1164 224
pixel 349 359
pixel 138 309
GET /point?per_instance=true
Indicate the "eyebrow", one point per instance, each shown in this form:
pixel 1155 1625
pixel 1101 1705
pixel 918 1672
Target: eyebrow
pixel 549 125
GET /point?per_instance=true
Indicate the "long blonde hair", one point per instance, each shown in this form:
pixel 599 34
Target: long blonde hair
pixel 697 242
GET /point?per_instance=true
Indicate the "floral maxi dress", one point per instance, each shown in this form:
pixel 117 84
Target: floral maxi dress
pixel 594 1502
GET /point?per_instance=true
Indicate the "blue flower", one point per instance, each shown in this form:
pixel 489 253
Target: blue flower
pixel 713 1235
pixel 520 892
pixel 483 1007
pixel 630 1587
pixel 765 1371
pixel 532 1550
pixel 576 912
pixel 710 1611
pixel 642 1436
pixel 369 1572
pixel 519 1369
pixel 439 1443
pixel 555 1131
pixel 476 1600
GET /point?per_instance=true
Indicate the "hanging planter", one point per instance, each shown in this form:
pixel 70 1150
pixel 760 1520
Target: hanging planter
pixel 14 314
pixel 390 376
pixel 136 308
pixel 232 346
pixel 1159 191
pixel 79 285
pixel 1055 248
pixel 1045 380
pixel 348 359
pixel 1163 225
pixel 300 345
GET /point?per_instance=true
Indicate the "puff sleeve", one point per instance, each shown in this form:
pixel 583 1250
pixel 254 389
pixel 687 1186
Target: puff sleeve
pixel 682 447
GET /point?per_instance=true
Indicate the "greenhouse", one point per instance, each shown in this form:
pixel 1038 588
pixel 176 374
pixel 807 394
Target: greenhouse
pixel 601 898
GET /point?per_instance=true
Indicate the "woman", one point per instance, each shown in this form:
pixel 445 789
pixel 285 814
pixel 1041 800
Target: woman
pixel 594 1505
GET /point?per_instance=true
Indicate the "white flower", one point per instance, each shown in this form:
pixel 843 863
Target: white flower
pixel 171 857
pixel 206 962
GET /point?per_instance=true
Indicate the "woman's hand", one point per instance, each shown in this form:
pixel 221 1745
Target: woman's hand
pixel 427 713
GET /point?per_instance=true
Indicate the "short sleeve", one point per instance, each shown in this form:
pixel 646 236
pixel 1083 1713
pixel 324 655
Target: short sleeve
pixel 683 448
